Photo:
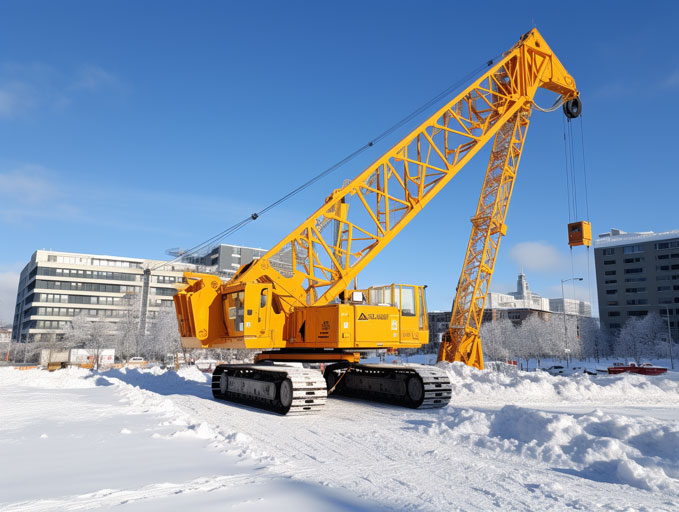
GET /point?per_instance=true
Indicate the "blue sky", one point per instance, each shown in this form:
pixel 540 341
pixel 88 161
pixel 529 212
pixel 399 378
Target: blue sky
pixel 131 127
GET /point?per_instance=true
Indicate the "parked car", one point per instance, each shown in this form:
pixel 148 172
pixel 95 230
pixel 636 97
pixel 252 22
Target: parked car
pixel 556 370
pixel 572 370
pixel 136 362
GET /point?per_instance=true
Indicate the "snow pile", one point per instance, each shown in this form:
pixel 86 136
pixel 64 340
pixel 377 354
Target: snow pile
pixel 149 390
pixel 69 378
pixel 474 387
pixel 641 452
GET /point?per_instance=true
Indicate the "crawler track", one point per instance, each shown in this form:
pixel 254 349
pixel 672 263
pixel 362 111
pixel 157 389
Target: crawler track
pixel 414 386
pixel 278 388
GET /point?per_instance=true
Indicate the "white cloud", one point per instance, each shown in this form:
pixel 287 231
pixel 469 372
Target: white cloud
pixel 34 87
pixel 15 99
pixel 30 191
pixel 93 77
pixel 539 257
pixel 672 81
pixel 9 281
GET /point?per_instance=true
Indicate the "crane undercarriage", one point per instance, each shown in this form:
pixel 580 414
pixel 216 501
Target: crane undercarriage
pixel 292 390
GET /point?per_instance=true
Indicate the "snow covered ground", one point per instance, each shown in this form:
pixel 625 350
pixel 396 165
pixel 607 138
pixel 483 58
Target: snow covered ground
pixel 155 440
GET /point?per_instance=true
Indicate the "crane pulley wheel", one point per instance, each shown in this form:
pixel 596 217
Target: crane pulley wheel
pixel 572 108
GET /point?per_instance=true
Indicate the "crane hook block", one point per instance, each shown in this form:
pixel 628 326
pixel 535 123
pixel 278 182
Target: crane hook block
pixel 572 108
pixel 580 233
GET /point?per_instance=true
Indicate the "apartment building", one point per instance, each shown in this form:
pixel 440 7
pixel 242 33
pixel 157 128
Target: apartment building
pixel 56 286
pixel 636 274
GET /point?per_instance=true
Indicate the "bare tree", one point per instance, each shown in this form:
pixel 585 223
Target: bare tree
pixel 163 336
pixel 128 338
pixel 641 338
pixel 92 335
pixel 497 338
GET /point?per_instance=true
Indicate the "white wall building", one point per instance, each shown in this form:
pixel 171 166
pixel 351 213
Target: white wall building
pixel 56 286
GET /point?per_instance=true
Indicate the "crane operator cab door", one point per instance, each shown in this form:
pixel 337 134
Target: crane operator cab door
pixel 251 317
pixel 406 298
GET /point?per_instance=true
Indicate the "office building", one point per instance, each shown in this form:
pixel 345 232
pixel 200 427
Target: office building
pixel 225 260
pixel 56 286
pixel 636 274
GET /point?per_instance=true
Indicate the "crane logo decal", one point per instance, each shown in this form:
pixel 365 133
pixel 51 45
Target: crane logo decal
pixel 373 316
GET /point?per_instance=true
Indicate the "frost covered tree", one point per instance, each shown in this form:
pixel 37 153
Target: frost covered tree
pixel 535 339
pixel 642 338
pixel 594 340
pixel 497 338
pixel 128 336
pixel 163 336
pixel 90 334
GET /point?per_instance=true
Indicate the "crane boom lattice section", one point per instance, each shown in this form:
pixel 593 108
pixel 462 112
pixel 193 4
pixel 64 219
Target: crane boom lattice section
pixel 462 342
pixel 326 252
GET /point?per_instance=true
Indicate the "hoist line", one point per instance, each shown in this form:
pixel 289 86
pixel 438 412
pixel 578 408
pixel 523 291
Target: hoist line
pixel 584 164
pixel 568 181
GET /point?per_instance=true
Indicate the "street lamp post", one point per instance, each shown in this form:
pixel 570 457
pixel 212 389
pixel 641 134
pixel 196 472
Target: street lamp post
pixel 565 326
pixel 669 336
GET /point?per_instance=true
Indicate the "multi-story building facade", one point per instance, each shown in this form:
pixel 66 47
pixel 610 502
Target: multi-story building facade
pixel 56 286
pixel 636 274
pixel 225 260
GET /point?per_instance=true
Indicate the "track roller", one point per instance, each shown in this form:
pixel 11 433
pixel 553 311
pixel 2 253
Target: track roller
pixel 278 388
pixel 412 385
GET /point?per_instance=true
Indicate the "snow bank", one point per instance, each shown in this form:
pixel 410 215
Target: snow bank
pixel 69 378
pixel 471 386
pixel 641 452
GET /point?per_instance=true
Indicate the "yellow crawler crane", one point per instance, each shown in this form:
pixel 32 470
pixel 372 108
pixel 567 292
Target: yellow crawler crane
pixel 296 303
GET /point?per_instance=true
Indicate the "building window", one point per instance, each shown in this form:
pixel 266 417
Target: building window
pixel 667 245
pixel 609 273
pixel 631 249
pixel 637 302
pixel 635 279
pixel 611 292
pixel 614 326
pixel 609 262
pixel 614 313
pixel 633 260
pixel 634 270
pixel 635 290
pixel 664 288
pixel 663 256
pixel 608 252
pixel 612 302
pixel 611 281
pixel 637 313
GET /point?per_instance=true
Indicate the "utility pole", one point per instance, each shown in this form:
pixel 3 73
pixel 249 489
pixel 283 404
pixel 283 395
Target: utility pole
pixel 565 325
